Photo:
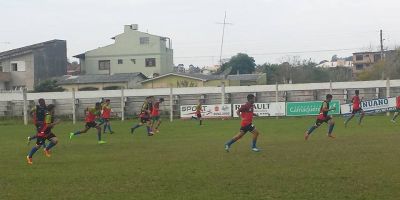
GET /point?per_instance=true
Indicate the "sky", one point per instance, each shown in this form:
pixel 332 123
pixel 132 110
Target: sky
pixel 271 31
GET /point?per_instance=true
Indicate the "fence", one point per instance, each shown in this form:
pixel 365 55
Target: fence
pixel 127 103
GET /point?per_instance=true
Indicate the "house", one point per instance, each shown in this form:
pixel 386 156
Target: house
pixel 365 60
pixel 132 51
pixel 25 67
pixel 338 63
pixel 177 80
pixel 101 81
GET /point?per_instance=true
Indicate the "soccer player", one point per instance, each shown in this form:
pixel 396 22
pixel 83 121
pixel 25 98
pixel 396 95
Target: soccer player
pixel 105 114
pixel 395 116
pixel 92 114
pixel 144 117
pixel 199 107
pixel 155 115
pixel 356 109
pixel 38 114
pixel 45 133
pixel 323 117
pixel 246 111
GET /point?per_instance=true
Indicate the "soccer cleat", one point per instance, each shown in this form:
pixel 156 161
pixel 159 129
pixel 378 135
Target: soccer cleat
pixel 393 121
pixel 28 141
pixel 157 131
pixel 345 124
pixel 101 142
pixel 132 129
pixel 255 149
pixel 71 135
pixel 47 153
pixel 29 160
pixel 331 136
pixel 150 134
pixel 226 148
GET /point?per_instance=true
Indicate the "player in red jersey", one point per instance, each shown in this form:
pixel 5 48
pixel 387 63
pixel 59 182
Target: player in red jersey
pixel 105 115
pixel 155 115
pixel 323 117
pixel 246 111
pixel 356 109
pixel 199 107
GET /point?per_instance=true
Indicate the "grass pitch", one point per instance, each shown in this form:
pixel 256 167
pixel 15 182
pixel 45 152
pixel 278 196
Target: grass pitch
pixel 186 161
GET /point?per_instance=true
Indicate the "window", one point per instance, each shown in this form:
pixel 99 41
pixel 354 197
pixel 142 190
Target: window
pixel 104 64
pixel 144 40
pixel 377 57
pixel 150 62
pixel 359 57
pixel 133 60
pixel 120 61
pixel 1 67
pixel 367 56
pixel 14 67
pixel 359 66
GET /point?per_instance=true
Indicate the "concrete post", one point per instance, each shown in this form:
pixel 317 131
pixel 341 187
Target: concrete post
pixel 387 91
pixel 330 87
pixel 377 93
pixel 223 93
pixel 122 105
pixel 171 104
pixel 277 95
pixel 25 109
pixel 73 106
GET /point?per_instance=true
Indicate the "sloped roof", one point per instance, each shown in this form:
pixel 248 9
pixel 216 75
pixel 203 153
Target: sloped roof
pixel 203 77
pixel 26 49
pixel 100 78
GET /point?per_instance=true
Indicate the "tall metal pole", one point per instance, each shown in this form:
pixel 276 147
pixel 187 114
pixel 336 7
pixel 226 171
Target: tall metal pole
pixel 25 108
pixel 222 40
pixel 73 106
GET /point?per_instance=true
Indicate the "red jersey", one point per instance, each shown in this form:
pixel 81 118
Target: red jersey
pixel 246 112
pixel 91 114
pixel 106 111
pixel 156 109
pixel 356 102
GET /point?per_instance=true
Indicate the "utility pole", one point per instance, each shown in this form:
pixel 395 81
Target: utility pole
pixel 382 55
pixel 223 35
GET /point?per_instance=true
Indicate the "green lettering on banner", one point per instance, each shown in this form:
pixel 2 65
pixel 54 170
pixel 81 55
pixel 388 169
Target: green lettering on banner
pixel 309 108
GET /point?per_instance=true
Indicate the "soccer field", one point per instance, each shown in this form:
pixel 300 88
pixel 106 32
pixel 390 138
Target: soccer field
pixel 188 161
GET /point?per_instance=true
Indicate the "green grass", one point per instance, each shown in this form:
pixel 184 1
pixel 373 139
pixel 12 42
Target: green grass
pixel 186 161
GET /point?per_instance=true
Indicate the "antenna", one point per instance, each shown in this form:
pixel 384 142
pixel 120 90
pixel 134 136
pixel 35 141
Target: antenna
pixel 223 34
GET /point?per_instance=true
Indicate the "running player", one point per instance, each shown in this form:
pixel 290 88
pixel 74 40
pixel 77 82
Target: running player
pixel 105 114
pixel 45 133
pixel 323 117
pixel 92 114
pixel 246 111
pixel 199 107
pixel 144 117
pixel 155 115
pixel 356 109
pixel 38 114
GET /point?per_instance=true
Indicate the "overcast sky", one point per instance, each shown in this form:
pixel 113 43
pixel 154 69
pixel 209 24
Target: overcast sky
pixel 268 30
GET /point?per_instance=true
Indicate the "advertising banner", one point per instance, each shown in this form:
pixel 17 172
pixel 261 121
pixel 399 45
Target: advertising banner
pixel 207 111
pixel 373 106
pixel 309 108
pixel 264 109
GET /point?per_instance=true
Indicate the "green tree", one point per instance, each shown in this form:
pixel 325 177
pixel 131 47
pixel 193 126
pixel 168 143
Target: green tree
pixel 48 86
pixel 242 63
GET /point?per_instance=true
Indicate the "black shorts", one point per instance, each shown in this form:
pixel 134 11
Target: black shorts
pixel 318 122
pixel 91 124
pixel 40 140
pixel 357 111
pixel 106 119
pixel 144 120
pixel 248 128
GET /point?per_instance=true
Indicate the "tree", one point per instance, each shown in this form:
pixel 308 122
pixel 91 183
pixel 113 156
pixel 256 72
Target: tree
pixel 48 86
pixel 241 63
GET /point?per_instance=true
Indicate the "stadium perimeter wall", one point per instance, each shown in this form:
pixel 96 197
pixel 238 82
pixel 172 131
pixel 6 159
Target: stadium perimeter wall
pixel 127 103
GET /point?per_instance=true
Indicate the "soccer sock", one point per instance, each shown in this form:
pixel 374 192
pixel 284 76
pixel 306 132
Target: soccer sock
pixel 104 128
pixel 33 151
pixel 135 127
pixel 148 129
pixel 32 137
pixel 44 145
pixel 99 135
pixel 51 145
pixel 231 142
pixel 312 128
pixel 77 133
pixel 109 127
pixel 254 143
pixel 331 128
pixel 194 118
pixel 395 116
pixel 359 120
